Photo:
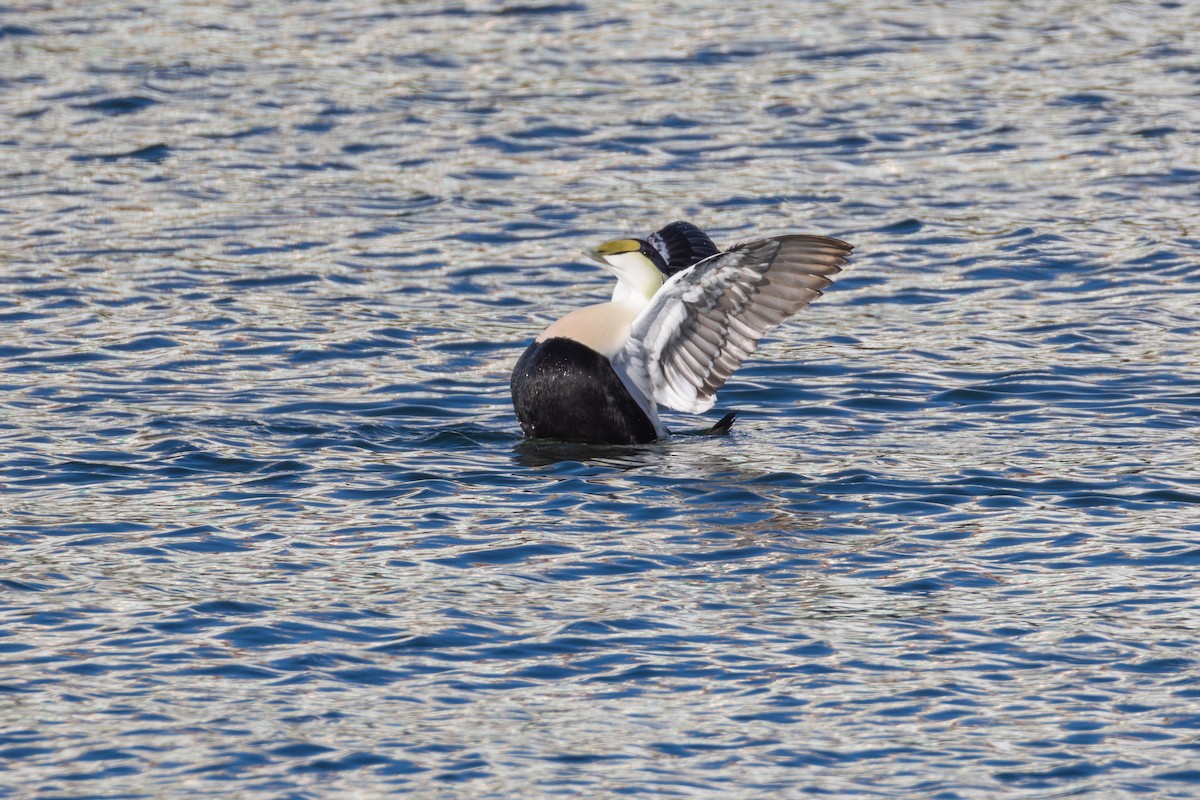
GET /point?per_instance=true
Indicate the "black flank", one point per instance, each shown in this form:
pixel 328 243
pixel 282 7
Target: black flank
pixel 562 389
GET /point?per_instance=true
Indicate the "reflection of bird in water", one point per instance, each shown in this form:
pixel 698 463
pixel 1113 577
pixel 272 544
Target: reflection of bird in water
pixel 682 318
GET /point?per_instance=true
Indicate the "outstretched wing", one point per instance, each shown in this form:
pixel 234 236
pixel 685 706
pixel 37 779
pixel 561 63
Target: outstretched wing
pixel 704 321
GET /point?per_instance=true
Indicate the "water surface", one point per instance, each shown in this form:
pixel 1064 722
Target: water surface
pixel 270 529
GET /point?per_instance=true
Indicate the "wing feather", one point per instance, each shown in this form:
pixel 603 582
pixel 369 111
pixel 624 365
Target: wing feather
pixel 707 319
pixel 693 361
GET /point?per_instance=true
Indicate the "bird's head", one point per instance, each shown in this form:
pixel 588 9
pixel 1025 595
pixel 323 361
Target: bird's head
pixel 639 267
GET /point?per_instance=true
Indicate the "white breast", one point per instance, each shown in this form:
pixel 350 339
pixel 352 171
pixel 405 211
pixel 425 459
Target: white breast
pixel 603 327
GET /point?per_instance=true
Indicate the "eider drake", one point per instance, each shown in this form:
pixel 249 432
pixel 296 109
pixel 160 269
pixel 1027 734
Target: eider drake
pixel 682 318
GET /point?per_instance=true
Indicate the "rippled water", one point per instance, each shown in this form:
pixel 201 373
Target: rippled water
pixel 270 530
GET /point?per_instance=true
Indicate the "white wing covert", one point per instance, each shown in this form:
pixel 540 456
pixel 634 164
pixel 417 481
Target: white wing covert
pixel 706 320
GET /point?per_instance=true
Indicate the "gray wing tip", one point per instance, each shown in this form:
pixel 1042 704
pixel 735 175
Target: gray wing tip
pixel 814 255
pixel 810 239
pixel 820 241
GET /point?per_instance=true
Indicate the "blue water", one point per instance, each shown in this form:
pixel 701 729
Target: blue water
pixel 269 527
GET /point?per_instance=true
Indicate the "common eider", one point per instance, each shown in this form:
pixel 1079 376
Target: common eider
pixel 682 318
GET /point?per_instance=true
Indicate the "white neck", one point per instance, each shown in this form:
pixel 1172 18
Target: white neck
pixel 637 277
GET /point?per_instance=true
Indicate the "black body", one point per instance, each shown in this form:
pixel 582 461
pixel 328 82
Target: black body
pixel 562 389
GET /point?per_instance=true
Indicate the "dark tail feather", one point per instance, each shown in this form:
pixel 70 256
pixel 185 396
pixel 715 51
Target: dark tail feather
pixel 722 427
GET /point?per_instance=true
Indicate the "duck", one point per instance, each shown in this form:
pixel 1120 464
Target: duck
pixel 683 317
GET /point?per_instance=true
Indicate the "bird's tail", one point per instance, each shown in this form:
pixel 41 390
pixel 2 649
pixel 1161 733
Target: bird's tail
pixel 723 425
